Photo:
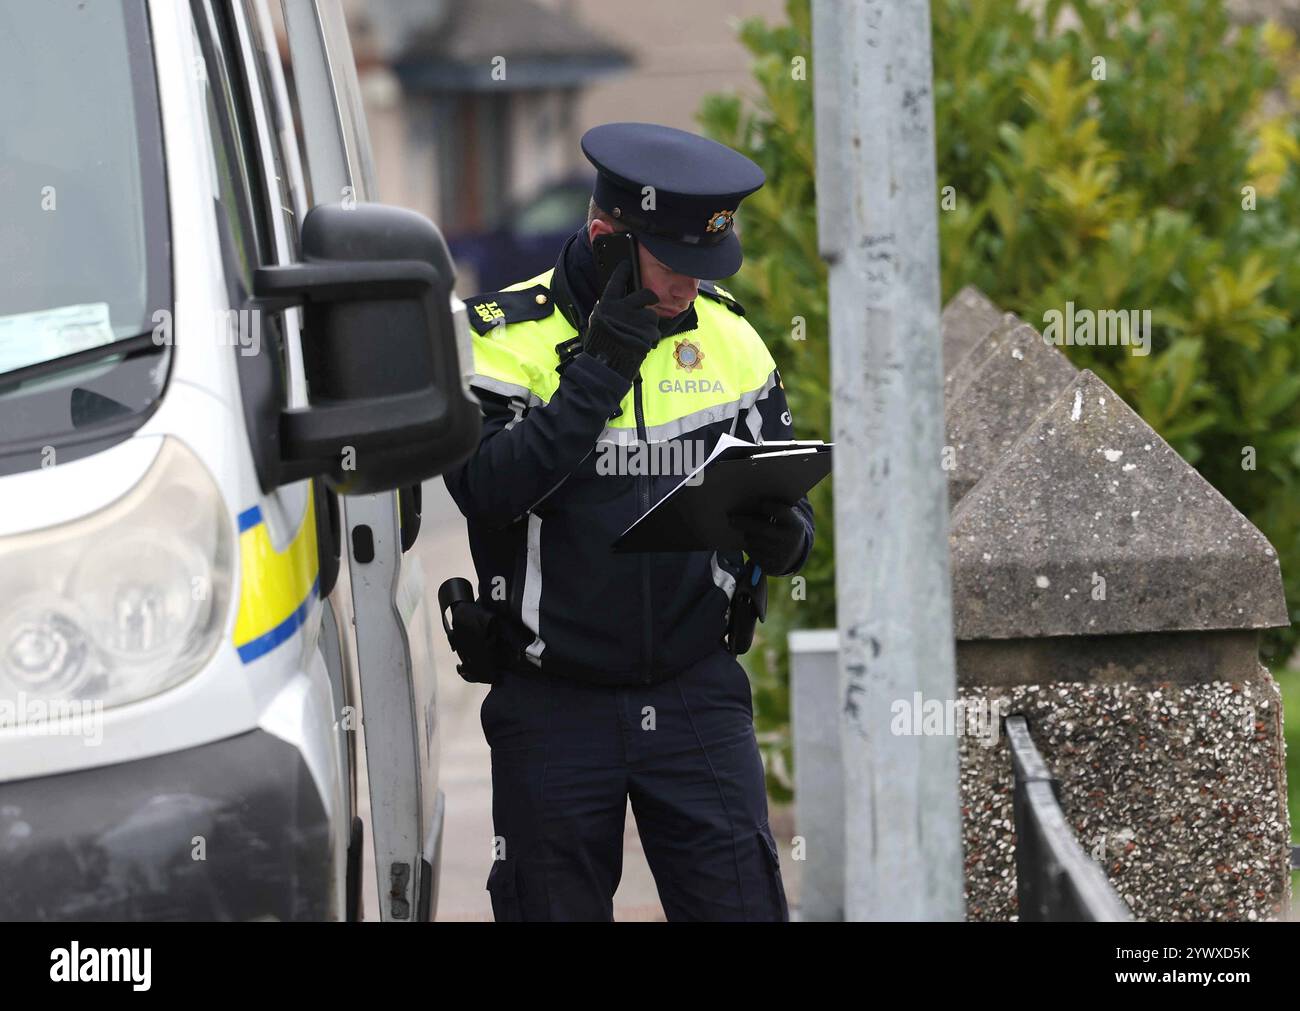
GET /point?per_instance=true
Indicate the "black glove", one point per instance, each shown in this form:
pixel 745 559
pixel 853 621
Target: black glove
pixel 774 535
pixel 622 330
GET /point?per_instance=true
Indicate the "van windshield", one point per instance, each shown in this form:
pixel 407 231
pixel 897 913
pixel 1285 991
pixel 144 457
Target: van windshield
pixel 84 257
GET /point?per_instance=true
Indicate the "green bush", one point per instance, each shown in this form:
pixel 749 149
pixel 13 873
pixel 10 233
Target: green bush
pixel 1099 152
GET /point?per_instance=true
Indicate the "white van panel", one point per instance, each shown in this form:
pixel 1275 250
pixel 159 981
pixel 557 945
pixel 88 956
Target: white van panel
pixel 53 495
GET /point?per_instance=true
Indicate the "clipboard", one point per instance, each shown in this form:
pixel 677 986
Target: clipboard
pixel 735 477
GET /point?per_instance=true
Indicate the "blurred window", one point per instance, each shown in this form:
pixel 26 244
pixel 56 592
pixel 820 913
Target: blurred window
pixel 555 210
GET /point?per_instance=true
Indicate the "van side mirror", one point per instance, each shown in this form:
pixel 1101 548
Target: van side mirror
pixel 387 404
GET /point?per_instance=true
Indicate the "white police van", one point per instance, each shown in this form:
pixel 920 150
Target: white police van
pixel 223 375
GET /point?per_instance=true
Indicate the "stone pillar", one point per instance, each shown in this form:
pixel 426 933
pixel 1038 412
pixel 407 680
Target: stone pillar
pixel 964 322
pixel 1106 591
pixel 1008 379
pixel 819 777
pixel 1103 589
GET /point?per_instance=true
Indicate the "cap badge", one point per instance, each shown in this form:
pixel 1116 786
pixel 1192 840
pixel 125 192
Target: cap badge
pixel 688 355
pixel 720 221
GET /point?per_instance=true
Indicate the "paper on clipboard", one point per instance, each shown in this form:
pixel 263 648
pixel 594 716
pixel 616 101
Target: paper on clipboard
pixel 736 475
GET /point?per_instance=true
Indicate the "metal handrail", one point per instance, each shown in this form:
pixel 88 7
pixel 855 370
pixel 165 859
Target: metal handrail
pixel 1055 879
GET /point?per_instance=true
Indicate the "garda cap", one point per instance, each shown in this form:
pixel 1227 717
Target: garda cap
pixel 696 185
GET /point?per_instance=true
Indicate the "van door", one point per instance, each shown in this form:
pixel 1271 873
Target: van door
pixel 398 700
pixel 258 80
pixel 257 228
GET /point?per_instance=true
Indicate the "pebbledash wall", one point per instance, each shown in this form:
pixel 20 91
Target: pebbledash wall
pixel 1102 588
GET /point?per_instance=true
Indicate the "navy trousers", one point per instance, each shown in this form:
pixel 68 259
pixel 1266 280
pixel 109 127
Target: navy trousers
pixel 566 757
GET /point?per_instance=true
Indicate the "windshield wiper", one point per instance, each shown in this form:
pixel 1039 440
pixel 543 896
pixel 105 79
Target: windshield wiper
pixel 126 346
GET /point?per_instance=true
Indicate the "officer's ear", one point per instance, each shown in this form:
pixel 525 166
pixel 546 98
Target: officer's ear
pixel 597 227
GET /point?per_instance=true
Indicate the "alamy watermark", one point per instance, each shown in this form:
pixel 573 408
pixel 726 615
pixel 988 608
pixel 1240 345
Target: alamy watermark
pixel 673 458
pixel 235 328
pixel 1130 328
pixel 969 717
pixel 75 964
pixel 30 716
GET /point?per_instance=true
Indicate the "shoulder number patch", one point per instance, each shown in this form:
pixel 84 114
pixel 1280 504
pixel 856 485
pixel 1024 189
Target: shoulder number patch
pixel 720 294
pixel 498 308
pixel 488 312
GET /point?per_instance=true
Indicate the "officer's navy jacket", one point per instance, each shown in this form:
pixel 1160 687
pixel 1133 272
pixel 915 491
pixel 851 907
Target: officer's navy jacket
pixel 547 491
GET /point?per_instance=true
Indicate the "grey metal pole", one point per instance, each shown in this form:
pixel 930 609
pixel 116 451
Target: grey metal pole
pixel 878 231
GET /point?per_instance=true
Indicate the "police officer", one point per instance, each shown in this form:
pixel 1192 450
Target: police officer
pixel 616 681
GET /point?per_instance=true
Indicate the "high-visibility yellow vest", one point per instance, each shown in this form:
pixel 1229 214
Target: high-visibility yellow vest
pixel 688 380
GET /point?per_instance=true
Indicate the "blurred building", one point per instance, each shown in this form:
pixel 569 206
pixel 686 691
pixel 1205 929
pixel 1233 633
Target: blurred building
pixel 476 106
pixel 683 50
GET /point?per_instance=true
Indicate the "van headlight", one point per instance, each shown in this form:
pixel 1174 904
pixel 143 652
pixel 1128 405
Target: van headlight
pixel 125 603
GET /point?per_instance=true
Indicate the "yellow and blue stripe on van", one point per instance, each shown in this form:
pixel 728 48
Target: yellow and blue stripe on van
pixel 276 588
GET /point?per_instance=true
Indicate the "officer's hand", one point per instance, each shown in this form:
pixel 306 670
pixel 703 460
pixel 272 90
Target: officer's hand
pixel 774 535
pixel 622 329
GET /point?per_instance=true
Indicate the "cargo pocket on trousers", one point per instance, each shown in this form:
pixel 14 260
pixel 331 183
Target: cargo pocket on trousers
pixel 767 845
pixel 505 896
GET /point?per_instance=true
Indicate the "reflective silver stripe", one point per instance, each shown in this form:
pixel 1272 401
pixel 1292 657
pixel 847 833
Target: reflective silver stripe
pixel 723 579
pixel 690 422
pixel 505 389
pixel 755 422
pixel 517 406
pixel 530 611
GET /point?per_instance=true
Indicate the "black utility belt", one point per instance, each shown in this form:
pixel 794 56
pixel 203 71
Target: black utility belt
pixel 488 642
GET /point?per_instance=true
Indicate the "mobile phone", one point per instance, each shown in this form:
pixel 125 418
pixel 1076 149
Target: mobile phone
pixel 612 249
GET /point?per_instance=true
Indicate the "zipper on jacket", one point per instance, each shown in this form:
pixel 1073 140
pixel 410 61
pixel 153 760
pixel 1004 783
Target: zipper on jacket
pixel 643 497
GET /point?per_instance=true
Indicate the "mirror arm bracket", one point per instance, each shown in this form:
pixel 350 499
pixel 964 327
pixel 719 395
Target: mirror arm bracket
pixel 293 284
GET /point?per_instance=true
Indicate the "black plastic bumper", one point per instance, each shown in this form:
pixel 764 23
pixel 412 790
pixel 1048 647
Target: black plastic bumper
pixel 233 830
